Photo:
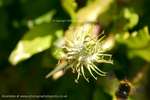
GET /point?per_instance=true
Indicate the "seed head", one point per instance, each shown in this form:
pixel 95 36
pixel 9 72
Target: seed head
pixel 83 53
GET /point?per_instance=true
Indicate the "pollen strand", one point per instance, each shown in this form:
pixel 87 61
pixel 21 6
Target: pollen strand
pixel 91 72
pixel 99 73
pixel 82 71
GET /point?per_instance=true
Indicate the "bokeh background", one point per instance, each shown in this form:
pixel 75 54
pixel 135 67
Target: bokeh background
pixel 30 31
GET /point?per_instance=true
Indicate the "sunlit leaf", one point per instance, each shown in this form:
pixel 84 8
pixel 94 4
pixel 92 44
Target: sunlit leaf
pixel 132 18
pixel 45 18
pixel 143 53
pixel 70 6
pixel 91 12
pixel 34 41
pixel 57 49
pixel 138 43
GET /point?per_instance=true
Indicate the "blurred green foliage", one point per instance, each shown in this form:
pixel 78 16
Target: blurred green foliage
pixel 31 34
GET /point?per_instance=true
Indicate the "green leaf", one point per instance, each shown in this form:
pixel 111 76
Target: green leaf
pixel 139 40
pixel 142 52
pixel 36 40
pixel 91 12
pixel 138 43
pixel 132 18
pixel 57 48
pixel 123 19
pixel 70 6
pixel 45 18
